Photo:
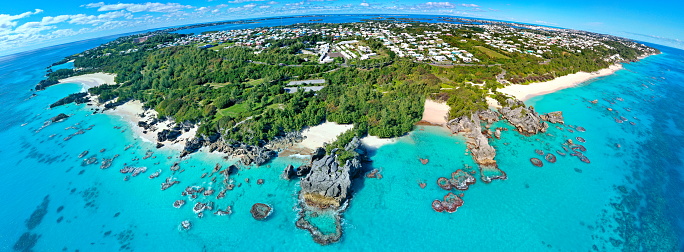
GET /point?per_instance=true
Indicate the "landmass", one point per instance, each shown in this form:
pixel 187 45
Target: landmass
pixel 333 92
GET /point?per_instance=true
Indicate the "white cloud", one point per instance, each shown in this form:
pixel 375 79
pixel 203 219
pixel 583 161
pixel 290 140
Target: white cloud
pixel 364 4
pixel 272 2
pixel 145 7
pixel 470 5
pixel 430 5
pixel 94 5
pixel 7 21
pixel 54 20
pixel 249 6
pixel 264 6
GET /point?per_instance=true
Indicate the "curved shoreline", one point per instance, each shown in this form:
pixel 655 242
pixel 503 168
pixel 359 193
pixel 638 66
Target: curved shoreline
pixel 526 92
pixel 91 80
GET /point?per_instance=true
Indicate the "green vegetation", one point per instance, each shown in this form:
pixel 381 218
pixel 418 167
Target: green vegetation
pixel 238 91
pixel 491 53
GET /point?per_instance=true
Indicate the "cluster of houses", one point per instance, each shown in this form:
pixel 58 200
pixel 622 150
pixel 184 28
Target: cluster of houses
pixel 427 45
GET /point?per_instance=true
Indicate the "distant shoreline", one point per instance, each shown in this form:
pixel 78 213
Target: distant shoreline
pixel 529 91
pixel 526 92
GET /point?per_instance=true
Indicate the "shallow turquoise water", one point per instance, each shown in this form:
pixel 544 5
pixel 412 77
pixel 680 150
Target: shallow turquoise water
pixel 635 189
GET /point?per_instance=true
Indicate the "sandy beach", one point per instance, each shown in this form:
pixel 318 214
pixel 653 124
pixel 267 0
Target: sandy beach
pixel 133 112
pixel 525 92
pixel 91 80
pixel 434 113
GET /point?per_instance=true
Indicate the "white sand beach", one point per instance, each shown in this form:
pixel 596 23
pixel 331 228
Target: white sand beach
pixel 435 113
pixel 373 143
pixel 91 80
pixel 525 92
pixel 318 135
pixel 133 112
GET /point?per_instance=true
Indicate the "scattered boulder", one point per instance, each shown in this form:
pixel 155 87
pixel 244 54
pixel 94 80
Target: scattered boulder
pixel 289 172
pixel 261 211
pixel 168 135
pixel 59 118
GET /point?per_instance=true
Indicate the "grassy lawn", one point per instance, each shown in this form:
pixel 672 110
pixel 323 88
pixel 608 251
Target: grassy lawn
pixel 234 110
pixel 218 85
pixel 253 83
pixel 492 54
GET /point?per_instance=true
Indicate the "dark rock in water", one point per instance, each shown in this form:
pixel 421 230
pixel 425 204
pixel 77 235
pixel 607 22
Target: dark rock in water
pixel 578 170
pixel 220 212
pixel 59 118
pixel 178 203
pixel 159 145
pixel 461 180
pixel 26 242
pixel 553 117
pixel 444 183
pixel 318 236
pixel 37 215
pixel 185 225
pixel 303 170
pixel 77 98
pixel 83 154
pixel 450 204
pixel 526 120
pixel 168 135
pixel 478 144
pixel 326 188
pixel 288 173
pixel 550 158
pixel 375 173
pixel 328 183
pixel 261 211
pixel 536 162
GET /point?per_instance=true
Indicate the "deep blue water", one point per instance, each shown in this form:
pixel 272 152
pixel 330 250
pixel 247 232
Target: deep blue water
pixel 628 196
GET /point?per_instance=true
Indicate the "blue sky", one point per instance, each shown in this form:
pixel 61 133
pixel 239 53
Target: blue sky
pixel 34 24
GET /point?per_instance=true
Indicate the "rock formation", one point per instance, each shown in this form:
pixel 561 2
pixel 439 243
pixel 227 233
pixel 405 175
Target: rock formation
pixel 59 118
pixel 248 154
pixel 478 144
pixel 261 211
pixel 326 188
pixel 78 98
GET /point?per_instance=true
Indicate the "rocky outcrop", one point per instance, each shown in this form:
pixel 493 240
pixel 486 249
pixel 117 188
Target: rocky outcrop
pixel 77 98
pixel 286 141
pixel 478 144
pixel 261 211
pixel 325 190
pixel 59 118
pixel 328 183
pixel 248 154
pixel 288 173
pixel 168 135
pixel 553 117
pixel 526 120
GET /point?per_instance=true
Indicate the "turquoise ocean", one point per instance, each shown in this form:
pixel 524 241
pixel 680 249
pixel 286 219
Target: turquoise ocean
pixel 630 197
